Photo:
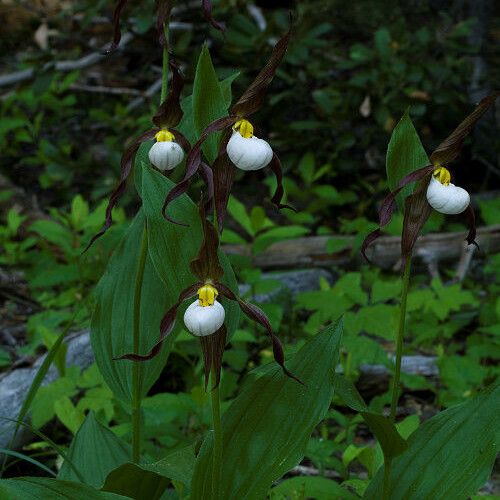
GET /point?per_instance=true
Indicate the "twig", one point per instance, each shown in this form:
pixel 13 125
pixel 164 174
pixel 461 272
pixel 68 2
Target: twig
pixel 148 94
pixel 464 263
pixel 63 66
pixel 102 89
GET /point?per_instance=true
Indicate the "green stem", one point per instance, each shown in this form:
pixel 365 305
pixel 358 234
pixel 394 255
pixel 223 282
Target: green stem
pixel 399 339
pixel 218 447
pixel 397 370
pixel 164 72
pixel 136 372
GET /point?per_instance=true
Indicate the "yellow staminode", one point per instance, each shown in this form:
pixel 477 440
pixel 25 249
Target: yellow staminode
pixel 207 295
pixel 164 136
pixel 442 175
pixel 244 127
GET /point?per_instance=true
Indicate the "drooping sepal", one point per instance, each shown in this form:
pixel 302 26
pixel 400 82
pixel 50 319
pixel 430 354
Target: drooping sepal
pixel 126 167
pixel 253 98
pixel 170 112
pixel 470 218
pixel 256 314
pixel 389 204
pixel 117 33
pixel 212 348
pixel 207 13
pixel 166 326
pixel 275 166
pixel 206 265
pixel 163 9
pixel 223 172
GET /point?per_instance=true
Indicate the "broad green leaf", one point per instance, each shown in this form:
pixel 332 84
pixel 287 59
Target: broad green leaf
pixel 385 431
pixel 449 456
pixel 112 321
pixel 133 481
pixel 208 102
pixel 68 414
pixel 267 427
pixel 310 487
pixel 41 488
pixel 54 233
pixel 171 246
pixel 177 466
pixel 95 451
pixel 405 154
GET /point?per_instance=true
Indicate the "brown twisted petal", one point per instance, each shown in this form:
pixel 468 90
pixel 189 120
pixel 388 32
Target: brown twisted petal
pixel 206 266
pixel 256 314
pixel 212 347
pixel 126 167
pixel 193 163
pixel 275 166
pixel 470 218
pixel 252 99
pixel 117 34
pixel 224 171
pixel 208 178
pixel 389 204
pixel 170 112
pixel 163 10
pixel 450 148
pixel 207 12
pixel 166 326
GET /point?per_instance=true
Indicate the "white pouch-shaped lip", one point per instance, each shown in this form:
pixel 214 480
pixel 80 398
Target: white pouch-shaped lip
pixel 204 320
pixel 249 153
pixel 166 155
pixel 448 199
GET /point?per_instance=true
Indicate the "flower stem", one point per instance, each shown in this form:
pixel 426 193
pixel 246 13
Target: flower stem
pixel 397 370
pixel 399 339
pixel 218 447
pixel 164 72
pixel 136 373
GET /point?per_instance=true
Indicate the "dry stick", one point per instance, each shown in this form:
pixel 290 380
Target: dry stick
pixel 63 66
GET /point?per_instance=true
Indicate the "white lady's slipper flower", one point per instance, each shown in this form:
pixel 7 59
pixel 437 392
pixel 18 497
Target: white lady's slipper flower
pixel 445 197
pixel 204 316
pixel 245 150
pixel 165 153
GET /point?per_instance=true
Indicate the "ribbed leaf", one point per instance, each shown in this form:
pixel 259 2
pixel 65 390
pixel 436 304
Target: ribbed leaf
pixel 112 322
pixel 310 487
pixel 405 154
pixel 385 431
pixel 208 102
pixel 95 451
pixel 41 488
pixel 133 481
pixel 267 427
pixel 449 456
pixel 171 246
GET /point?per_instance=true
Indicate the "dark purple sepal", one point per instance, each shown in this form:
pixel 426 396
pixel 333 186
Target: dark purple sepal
pixel 170 112
pixel 166 326
pixel 117 34
pixel 206 266
pixel 470 218
pixel 212 347
pixel 275 166
pixel 224 171
pixel 207 13
pixel 253 98
pixel 256 314
pixel 163 9
pixel 193 163
pixel 126 167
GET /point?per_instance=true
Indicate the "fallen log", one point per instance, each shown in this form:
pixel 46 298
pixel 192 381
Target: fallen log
pixel 385 252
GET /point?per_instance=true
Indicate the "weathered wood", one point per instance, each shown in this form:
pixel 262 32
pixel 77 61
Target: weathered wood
pixel 385 252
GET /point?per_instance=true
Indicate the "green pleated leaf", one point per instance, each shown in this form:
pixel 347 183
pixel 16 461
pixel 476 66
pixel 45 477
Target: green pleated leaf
pixel 209 102
pixel 385 431
pixel 267 427
pixel 405 154
pixel 171 246
pixel 95 451
pixel 112 322
pixel 133 481
pixel 177 466
pixel 448 457
pixel 310 487
pixel 41 488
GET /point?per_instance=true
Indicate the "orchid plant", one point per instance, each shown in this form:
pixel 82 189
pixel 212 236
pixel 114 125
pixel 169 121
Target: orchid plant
pixel 171 254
